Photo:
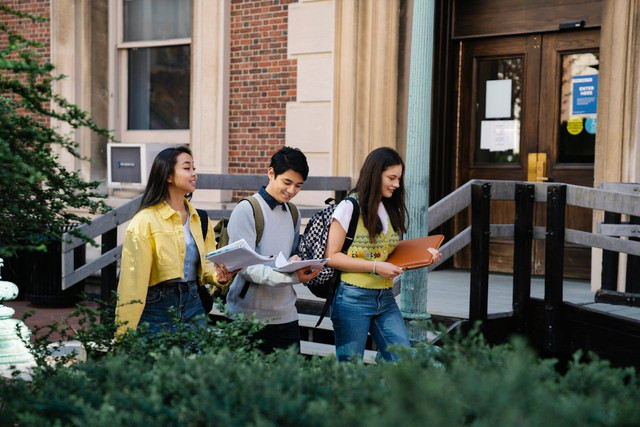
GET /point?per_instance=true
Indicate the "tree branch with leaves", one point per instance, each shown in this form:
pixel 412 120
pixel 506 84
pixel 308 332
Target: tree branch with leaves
pixel 38 196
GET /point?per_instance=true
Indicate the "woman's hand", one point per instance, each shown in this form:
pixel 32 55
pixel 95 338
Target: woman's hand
pixel 305 274
pixel 437 256
pixel 388 270
pixel 222 274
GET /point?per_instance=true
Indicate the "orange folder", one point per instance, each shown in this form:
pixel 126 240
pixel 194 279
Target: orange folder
pixel 413 253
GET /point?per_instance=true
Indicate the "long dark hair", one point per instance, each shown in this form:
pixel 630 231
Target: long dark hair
pixel 162 168
pixel 370 192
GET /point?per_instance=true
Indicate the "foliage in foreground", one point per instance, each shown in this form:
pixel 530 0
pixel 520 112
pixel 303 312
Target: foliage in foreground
pixel 39 195
pixel 223 380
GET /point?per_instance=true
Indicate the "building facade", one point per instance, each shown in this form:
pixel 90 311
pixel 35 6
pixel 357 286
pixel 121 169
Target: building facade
pixel 238 79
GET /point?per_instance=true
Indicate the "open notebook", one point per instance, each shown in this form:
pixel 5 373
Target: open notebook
pixel 414 253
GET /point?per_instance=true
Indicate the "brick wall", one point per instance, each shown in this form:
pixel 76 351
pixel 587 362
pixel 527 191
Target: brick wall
pixel 262 81
pixel 39 31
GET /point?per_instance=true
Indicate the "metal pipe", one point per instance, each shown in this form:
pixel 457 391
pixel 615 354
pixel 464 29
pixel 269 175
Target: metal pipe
pixel 413 297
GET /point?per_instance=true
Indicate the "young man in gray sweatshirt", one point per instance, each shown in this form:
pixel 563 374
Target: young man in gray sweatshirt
pixel 270 295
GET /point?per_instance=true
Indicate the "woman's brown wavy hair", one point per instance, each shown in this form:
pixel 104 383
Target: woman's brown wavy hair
pixel 369 190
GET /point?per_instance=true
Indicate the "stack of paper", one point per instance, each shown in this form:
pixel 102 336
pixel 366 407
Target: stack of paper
pixel 239 254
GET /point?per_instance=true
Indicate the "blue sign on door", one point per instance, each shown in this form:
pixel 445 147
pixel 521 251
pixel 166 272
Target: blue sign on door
pixel 585 94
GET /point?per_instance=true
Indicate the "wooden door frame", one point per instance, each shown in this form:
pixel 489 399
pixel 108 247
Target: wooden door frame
pixel 467 90
pixel 528 48
pixel 554 46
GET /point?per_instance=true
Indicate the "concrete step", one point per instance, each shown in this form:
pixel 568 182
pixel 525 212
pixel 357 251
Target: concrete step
pixel 319 349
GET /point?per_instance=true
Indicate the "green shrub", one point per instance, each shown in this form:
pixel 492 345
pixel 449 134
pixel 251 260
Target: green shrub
pixel 224 380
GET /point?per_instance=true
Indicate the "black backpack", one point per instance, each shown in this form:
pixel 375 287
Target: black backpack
pixel 313 244
pixel 205 297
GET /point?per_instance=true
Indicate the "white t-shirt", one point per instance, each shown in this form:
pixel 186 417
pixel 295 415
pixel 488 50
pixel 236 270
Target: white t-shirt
pixel 191 256
pixel 344 210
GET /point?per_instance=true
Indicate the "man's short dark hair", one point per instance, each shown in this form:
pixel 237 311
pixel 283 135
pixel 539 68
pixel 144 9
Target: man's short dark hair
pixel 289 158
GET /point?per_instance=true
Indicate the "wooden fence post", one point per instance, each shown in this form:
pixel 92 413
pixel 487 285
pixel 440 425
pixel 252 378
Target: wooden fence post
pixel 610 258
pixel 108 274
pixel 480 221
pixel 633 264
pixel 523 237
pixel 554 263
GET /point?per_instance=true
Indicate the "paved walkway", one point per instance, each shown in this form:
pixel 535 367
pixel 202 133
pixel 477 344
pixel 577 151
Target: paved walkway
pixel 447 295
pixel 41 315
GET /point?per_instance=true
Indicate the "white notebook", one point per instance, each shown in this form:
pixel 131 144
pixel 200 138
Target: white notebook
pixel 238 255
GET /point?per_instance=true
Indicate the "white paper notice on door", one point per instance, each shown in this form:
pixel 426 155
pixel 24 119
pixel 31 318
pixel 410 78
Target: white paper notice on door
pixel 500 135
pixel 498 99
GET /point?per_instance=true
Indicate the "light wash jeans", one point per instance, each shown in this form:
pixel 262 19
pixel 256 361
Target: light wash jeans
pixel 184 299
pixel 357 311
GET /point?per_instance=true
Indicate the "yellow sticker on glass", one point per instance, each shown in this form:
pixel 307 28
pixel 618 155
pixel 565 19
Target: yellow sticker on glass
pixel 575 125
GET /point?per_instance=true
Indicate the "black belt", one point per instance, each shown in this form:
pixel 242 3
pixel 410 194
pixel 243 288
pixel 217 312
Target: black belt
pixel 172 283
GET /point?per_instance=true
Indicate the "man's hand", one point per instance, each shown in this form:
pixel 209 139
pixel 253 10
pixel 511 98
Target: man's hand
pixel 305 274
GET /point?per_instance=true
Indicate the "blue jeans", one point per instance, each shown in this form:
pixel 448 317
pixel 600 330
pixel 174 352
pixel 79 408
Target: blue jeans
pixel 358 311
pixel 182 297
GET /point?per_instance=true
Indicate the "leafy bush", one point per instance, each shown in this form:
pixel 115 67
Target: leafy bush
pixel 224 380
pixel 39 195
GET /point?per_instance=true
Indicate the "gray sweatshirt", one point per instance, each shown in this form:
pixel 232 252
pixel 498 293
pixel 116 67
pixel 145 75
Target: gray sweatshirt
pixel 271 296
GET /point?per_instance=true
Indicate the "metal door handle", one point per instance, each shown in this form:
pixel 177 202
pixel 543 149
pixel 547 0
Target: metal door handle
pixel 537 167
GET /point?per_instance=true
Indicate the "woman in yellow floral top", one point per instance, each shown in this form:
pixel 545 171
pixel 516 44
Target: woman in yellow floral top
pixel 364 300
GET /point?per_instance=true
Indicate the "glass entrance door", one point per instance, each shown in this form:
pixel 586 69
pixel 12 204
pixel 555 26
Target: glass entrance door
pixel 529 95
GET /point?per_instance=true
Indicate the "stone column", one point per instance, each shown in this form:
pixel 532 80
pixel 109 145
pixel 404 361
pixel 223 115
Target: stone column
pixel 210 92
pixel 617 153
pixel 71 55
pixel 366 76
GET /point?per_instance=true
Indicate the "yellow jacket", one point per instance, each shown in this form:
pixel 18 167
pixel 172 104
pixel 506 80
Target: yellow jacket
pixel 153 252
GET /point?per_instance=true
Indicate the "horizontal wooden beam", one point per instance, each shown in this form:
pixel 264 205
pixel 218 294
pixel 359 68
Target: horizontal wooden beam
pixel 102 224
pixel 627 230
pixel 604 242
pixel 449 206
pixel 254 182
pixel 458 242
pixel 90 268
pixel 502 230
pixel 621 187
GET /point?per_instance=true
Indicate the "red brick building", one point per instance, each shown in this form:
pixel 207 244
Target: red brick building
pixel 238 79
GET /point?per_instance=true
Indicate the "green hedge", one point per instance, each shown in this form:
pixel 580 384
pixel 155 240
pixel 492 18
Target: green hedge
pixel 224 381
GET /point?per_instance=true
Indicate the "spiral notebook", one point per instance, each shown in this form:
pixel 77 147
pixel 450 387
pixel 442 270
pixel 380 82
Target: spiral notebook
pixel 413 253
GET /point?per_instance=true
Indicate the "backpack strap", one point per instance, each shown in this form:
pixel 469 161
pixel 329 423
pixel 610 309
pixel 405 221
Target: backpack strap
pixel 353 224
pixel 205 297
pixel 295 214
pixel 348 240
pixel 258 217
pixel 204 222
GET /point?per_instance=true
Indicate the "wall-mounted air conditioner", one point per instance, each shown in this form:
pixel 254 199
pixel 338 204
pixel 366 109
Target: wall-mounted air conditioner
pixel 129 164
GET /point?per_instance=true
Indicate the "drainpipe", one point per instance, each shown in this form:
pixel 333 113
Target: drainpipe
pixel 413 298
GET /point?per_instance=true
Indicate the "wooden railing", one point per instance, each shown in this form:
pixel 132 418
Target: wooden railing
pixel 524 194
pixel 107 225
pixel 553 325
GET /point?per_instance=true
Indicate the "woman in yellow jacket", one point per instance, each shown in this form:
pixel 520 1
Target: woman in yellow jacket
pixel 163 259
